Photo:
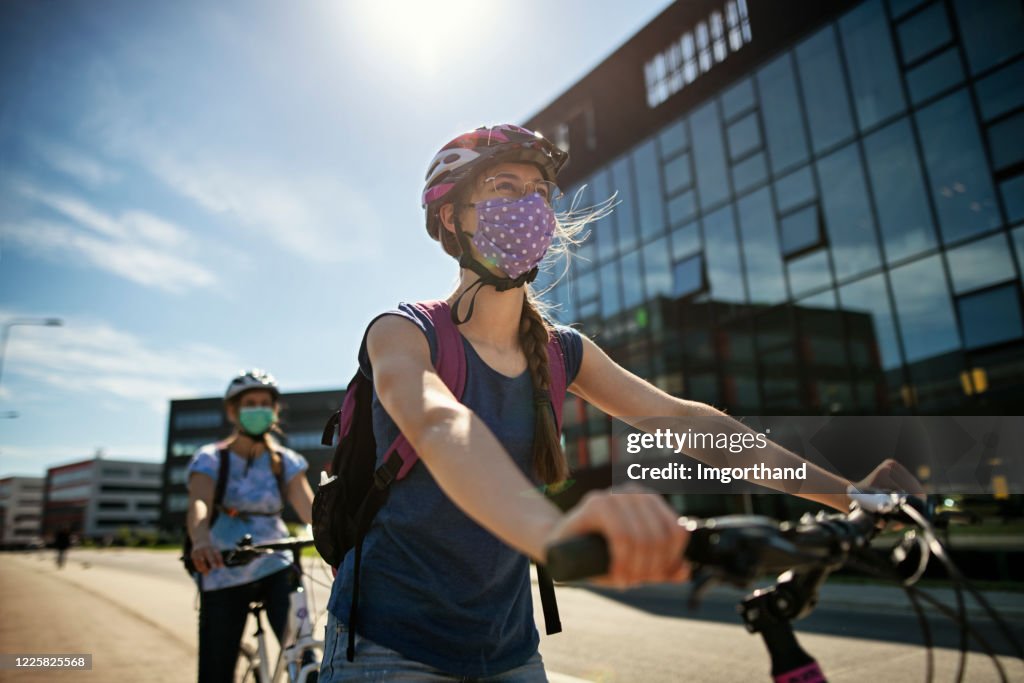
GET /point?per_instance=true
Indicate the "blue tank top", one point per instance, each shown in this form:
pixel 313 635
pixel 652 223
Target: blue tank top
pixel 435 586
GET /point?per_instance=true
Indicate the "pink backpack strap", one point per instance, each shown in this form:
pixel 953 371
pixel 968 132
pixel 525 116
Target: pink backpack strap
pixel 556 366
pixel 450 365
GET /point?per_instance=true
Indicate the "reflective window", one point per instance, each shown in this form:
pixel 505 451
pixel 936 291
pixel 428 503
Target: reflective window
pixel 587 286
pixel 871 60
pixel 723 255
pixel 624 212
pixel 648 189
pixel 981 263
pixel 1018 244
pixel 738 99
pixel 657 268
pixel 795 189
pixel 688 276
pixel 990 317
pixel 828 109
pixel 957 170
pixel 1006 139
pixel 941 72
pixel 761 254
pixel 709 156
pixel 800 230
pixel 1001 92
pixel 611 301
pixel 604 230
pixel 826 299
pixel 780 108
pixel 1013 198
pixel 809 272
pixel 925 31
pixel 682 207
pixel 632 280
pixel 991 30
pixel 898 187
pixel 750 172
pixel 925 312
pixel 200 419
pixel 587 250
pixel 677 174
pixel 685 240
pixel 851 230
pixel 672 139
pixel 870 296
pixel 744 137
pixel 901 7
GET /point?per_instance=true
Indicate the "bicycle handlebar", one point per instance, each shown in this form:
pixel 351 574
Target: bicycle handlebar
pixel 245 551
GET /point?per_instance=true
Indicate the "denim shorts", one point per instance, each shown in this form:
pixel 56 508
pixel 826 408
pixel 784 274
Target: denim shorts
pixel 375 662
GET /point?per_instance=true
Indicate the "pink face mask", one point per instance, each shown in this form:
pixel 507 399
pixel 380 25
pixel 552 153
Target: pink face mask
pixel 514 235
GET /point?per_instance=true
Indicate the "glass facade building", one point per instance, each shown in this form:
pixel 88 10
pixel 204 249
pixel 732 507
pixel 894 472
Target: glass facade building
pixel 816 214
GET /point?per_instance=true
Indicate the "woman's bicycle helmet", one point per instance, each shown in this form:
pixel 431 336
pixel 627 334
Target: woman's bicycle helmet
pixel 252 379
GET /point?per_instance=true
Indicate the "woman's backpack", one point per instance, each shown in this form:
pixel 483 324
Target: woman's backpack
pixel 345 504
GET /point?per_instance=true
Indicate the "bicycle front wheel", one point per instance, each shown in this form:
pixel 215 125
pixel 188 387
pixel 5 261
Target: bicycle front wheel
pixel 246 670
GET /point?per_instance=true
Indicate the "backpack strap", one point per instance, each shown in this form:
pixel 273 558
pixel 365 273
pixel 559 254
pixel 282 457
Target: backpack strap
pixel 223 467
pixel 556 368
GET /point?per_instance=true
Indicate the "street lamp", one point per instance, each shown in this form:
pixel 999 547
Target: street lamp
pixel 45 322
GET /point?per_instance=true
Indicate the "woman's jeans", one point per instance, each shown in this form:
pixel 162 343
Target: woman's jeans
pixel 222 615
pixel 375 662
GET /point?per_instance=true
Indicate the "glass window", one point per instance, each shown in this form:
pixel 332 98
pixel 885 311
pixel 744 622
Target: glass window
pixel 744 137
pixel 681 208
pixel 657 268
pixel 761 254
pixel 672 139
pixel 604 230
pixel 611 301
pixel 632 280
pixel 780 107
pixel 738 99
pixel 809 272
pixel 1018 243
pixel 800 230
pixel 677 174
pixel 851 230
pixel 871 60
pixel 624 212
pixel 925 312
pixel 688 276
pixel 990 317
pixel 1006 139
pixel 898 187
pixel 939 73
pixel 648 189
pixel 584 194
pixel 991 30
pixel 925 31
pixel 709 156
pixel 980 263
pixel 1001 92
pixel 587 286
pixel 901 7
pixel 750 172
pixel 826 299
pixel 685 240
pixel 957 170
pixel 869 296
pixel 1013 198
pixel 795 189
pixel 828 109
pixel 723 255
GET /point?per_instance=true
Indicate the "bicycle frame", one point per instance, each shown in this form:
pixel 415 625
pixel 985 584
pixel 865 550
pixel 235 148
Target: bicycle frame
pixel 289 659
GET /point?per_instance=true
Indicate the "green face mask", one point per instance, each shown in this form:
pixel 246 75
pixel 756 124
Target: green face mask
pixel 256 421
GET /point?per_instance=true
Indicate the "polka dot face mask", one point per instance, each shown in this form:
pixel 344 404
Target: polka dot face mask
pixel 514 234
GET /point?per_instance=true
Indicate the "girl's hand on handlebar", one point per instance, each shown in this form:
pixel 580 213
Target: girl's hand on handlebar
pixel 205 557
pixel 645 541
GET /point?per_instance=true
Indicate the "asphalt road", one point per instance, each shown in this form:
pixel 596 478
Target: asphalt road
pixel 135 612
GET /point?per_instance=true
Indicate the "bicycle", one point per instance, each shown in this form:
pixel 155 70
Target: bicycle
pixel 300 653
pixel 738 549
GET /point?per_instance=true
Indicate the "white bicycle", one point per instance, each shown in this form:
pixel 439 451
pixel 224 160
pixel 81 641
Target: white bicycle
pixel 300 653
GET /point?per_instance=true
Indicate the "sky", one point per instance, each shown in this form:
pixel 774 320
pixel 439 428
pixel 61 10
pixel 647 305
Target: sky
pixel 194 188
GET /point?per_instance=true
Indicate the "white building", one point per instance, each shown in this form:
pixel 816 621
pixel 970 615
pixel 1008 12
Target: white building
pixel 21 510
pixel 96 498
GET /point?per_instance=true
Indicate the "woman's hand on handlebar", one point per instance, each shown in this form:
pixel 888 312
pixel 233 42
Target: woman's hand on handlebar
pixel 645 541
pixel 206 558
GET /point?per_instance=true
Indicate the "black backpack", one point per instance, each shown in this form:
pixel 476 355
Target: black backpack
pixel 345 504
pixel 223 470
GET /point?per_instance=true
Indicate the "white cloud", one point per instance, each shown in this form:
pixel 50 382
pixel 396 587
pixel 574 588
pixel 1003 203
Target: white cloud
pixel 136 245
pixel 74 163
pixel 98 361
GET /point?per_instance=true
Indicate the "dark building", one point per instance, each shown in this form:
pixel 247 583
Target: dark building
pixel 195 422
pixel 821 208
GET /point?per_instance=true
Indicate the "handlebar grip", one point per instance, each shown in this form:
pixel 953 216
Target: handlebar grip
pixel 578 558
